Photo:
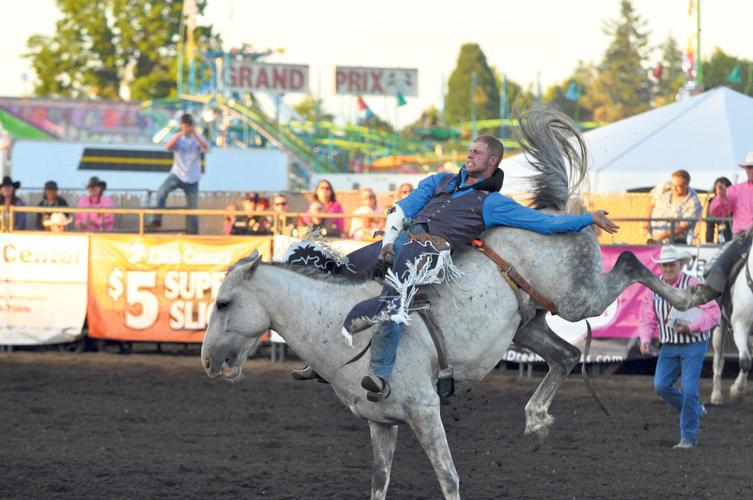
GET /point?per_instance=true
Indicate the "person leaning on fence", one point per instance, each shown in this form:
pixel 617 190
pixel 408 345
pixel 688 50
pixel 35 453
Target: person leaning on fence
pixel 280 207
pixel 723 229
pixel 8 198
pixel 403 190
pixel 673 200
pixel 50 198
pixel 250 224
pixel 684 339
pixel 362 228
pixel 186 146
pixel 325 195
pixel 57 223
pixel 95 199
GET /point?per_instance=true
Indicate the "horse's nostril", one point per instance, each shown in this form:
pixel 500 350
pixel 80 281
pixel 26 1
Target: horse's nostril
pixel 207 363
pixel 227 362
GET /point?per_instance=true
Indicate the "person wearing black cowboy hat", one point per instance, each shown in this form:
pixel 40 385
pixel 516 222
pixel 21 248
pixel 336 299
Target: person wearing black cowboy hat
pixel 7 198
pixel 95 199
pixel 50 198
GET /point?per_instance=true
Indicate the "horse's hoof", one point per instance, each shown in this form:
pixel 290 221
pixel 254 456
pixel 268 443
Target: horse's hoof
pixel 735 395
pixel 716 399
pixel 536 435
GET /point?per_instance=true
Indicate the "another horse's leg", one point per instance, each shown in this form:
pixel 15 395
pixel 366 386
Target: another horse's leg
pixel 383 439
pixel 741 325
pixel 426 423
pixel 561 358
pixel 717 341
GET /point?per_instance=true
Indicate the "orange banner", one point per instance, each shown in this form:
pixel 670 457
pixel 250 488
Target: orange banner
pixel 159 289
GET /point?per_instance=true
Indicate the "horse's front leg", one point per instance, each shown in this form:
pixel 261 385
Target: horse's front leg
pixel 383 439
pixel 717 342
pixel 561 358
pixel 426 423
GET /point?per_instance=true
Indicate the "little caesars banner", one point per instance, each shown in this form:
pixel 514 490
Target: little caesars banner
pixel 42 288
pixel 152 289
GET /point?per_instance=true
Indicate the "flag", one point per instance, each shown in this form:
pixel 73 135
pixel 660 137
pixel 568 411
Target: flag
pixel 735 76
pixel 363 109
pixel 658 71
pixel 572 92
pixel 400 99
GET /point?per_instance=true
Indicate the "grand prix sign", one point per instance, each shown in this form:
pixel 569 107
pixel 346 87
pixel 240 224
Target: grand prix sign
pixel 351 80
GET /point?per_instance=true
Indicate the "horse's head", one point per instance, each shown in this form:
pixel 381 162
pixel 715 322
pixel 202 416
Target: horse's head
pixel 236 323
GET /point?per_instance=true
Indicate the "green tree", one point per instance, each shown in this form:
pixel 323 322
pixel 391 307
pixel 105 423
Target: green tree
pixel 672 77
pixel 309 107
pixel 457 104
pixel 560 96
pixel 100 45
pixel 622 87
pixel 718 67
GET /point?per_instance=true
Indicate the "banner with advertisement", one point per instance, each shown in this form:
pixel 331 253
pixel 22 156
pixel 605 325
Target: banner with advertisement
pixel 157 289
pixel 43 281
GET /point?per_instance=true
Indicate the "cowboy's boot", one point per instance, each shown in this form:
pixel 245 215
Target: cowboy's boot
pixel 308 373
pixel 377 389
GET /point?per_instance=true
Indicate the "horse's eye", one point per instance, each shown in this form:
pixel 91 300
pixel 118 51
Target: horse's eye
pixel 222 304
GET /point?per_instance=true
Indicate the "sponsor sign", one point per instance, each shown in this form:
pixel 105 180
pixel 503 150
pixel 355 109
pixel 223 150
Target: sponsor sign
pixel 262 77
pixel 376 81
pixel 157 289
pixel 42 288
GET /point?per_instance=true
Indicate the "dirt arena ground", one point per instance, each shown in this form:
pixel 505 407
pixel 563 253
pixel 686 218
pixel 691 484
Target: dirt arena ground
pixel 146 426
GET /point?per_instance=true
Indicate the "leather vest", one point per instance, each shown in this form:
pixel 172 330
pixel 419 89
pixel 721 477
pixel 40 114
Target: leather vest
pixel 460 219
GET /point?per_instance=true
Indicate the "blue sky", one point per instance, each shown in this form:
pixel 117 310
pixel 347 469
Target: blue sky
pixel 521 38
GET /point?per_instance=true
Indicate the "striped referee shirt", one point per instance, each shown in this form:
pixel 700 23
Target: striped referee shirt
pixel 654 313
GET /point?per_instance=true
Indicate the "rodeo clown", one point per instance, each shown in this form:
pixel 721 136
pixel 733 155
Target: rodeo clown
pixel 446 211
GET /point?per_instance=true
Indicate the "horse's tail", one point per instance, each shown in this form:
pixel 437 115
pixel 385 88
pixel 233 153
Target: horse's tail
pixel 556 149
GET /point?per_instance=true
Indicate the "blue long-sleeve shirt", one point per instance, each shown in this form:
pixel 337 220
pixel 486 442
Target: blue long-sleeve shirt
pixel 498 210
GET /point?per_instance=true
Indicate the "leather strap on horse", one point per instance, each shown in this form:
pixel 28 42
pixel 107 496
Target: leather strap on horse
pixel 445 377
pixel 508 270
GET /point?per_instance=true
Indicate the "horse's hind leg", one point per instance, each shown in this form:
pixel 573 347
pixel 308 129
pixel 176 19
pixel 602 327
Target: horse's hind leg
pixel 426 423
pixel 717 341
pixel 383 439
pixel 561 358
pixel 628 269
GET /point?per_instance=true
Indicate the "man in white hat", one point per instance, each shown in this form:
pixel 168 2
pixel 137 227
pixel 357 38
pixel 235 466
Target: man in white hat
pixel 737 201
pixel 684 339
pixel 57 223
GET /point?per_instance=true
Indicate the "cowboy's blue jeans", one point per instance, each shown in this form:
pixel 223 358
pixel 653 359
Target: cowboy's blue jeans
pixel 685 361
pixel 385 341
pixel 191 190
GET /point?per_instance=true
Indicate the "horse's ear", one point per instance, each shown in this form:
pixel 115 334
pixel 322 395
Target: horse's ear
pixel 255 259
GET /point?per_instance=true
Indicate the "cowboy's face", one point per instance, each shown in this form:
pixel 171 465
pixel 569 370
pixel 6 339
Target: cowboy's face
pixel 478 162
pixel 670 271
pixel 51 194
pixel 94 190
pixel 679 186
pixel 6 191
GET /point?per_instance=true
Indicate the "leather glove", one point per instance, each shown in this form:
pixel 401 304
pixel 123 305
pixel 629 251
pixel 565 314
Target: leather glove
pixel 385 259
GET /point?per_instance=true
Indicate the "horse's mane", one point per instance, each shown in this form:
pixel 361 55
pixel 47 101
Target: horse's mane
pixel 319 275
pixel 557 151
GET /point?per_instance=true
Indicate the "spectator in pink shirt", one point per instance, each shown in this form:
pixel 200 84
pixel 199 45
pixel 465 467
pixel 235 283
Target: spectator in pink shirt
pixel 325 195
pixel 736 201
pixel 684 339
pixel 95 199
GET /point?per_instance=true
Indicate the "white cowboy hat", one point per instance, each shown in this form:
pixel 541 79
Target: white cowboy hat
pixel 57 219
pixel 670 253
pixel 748 160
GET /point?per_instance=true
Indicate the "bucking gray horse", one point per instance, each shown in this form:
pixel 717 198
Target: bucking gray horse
pixel 479 315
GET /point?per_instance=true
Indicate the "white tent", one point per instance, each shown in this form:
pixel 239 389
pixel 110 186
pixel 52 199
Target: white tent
pixel 706 135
